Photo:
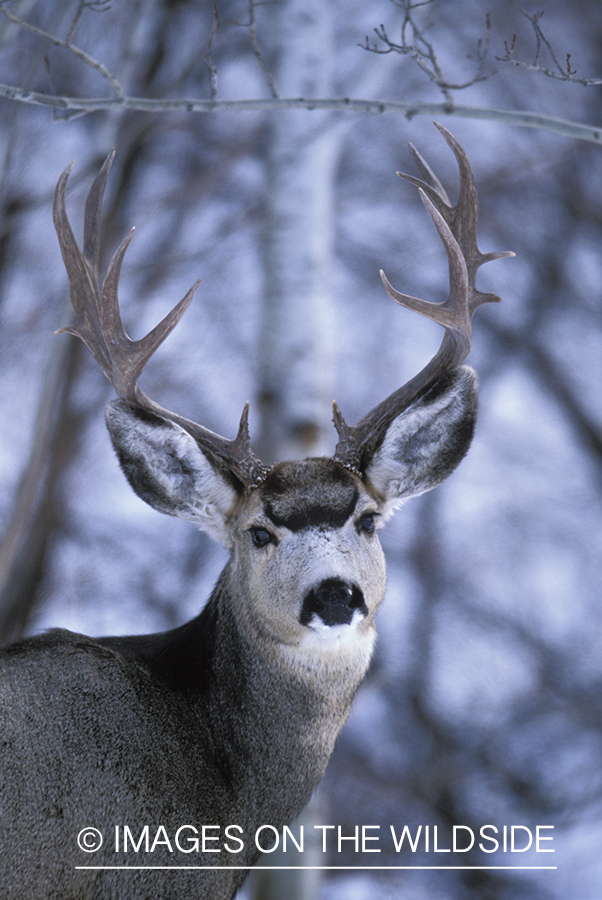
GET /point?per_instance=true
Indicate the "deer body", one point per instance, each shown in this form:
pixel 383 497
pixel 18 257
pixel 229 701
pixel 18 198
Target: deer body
pixel 227 722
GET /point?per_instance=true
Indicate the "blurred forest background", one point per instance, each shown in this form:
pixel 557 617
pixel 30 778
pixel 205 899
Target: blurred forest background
pixel 484 702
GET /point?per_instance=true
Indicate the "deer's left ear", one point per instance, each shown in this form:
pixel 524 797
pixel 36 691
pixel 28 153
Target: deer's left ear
pixel 425 443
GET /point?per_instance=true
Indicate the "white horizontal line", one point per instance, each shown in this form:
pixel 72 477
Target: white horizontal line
pixel 293 868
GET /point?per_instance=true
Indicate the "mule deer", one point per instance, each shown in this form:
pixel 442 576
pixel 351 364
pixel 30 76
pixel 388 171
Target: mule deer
pixel 178 746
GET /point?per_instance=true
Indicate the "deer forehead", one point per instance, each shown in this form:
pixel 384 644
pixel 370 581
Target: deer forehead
pixel 312 493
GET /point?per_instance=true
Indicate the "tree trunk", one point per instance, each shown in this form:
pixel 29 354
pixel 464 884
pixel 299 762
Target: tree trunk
pixel 296 377
pixel 296 372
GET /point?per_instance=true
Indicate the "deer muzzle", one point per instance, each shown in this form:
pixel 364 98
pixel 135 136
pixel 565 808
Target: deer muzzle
pixel 334 601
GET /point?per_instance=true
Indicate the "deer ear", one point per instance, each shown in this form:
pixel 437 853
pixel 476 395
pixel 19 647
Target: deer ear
pixel 167 469
pixel 425 443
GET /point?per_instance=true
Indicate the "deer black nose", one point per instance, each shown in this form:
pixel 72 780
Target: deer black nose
pixel 334 601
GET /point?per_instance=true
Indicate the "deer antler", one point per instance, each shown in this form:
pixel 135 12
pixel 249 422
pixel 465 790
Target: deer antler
pixel 98 324
pixel 457 228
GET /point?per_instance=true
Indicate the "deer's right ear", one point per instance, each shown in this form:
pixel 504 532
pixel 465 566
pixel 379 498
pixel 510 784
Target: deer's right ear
pixel 167 469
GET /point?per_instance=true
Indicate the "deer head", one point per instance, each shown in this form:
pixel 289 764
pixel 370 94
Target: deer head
pixel 274 518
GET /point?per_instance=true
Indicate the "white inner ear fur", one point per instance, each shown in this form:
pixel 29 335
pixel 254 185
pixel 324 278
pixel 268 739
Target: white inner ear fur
pixel 417 453
pixel 207 499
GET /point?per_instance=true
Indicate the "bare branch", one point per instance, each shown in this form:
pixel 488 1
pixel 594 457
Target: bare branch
pixel 422 52
pixel 88 60
pixel 252 26
pixel 85 105
pixel 420 49
pixel 94 6
pixel 209 58
pixel 559 73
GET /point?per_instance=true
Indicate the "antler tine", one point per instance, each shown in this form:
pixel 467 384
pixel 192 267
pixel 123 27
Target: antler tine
pixel 98 324
pixel 457 228
pixel 93 212
pixel 431 183
pixel 83 282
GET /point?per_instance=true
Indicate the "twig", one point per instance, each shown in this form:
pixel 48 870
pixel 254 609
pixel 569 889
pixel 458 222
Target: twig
pixel 253 4
pixel 93 6
pixel 422 51
pixel 209 58
pixel 559 73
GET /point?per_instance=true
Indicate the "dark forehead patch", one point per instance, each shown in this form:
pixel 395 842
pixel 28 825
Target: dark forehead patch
pixel 314 492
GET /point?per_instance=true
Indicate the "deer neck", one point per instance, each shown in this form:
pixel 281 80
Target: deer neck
pixel 277 719
pixel 270 721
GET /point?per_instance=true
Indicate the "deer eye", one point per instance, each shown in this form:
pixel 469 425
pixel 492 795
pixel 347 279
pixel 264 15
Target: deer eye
pixel 261 536
pixel 367 522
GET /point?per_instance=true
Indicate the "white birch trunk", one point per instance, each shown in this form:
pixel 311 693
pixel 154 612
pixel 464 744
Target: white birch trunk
pixel 296 375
